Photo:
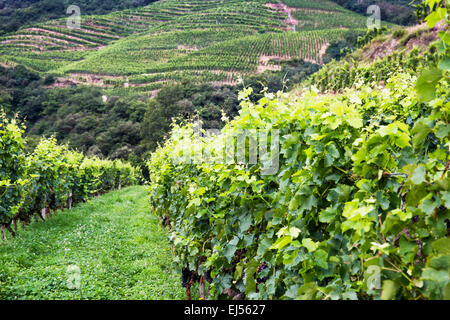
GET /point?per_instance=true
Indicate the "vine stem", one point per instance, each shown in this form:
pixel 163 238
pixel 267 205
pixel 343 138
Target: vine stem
pixel 202 288
pixel 397 268
pixel 263 199
pixel 188 290
pixel 389 269
pixel 327 296
pixel 447 166
pixel 381 224
pixel 340 169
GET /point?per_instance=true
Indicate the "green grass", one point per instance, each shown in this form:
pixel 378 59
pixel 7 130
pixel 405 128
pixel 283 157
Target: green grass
pixel 120 248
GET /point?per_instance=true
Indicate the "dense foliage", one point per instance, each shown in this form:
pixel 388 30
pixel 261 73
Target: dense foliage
pixel 51 177
pixel 363 181
pixel 398 11
pixel 358 207
pixel 372 69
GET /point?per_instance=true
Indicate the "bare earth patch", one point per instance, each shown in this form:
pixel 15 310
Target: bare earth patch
pixel 91 79
pixel 419 37
pixel 187 48
pixel 281 7
pixel 322 51
pixel 59 34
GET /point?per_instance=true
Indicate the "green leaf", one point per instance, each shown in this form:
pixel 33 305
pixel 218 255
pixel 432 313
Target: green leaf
pixel 389 290
pixel 309 244
pixel 245 223
pixel 418 175
pixel 426 84
pixel 353 212
pixel 308 203
pixel 250 283
pixel 294 232
pixel 428 205
pixel 263 246
pixel 404 216
pixel 354 119
pixel 327 215
pixel 350 295
pixel 435 16
pixel 281 242
pixel 333 151
pixel 442 245
pixel 439 276
pixel 442 131
pixel 444 64
pixel 446 198
pixel 440 262
pixel 293 204
pixel 288 258
pixel 420 132
pixel 194 202
pixel 230 249
pixel 238 271
pixel 307 291
pixel 407 250
pixel 320 258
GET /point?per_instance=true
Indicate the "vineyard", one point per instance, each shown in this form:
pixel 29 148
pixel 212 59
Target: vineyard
pixel 338 189
pixel 185 55
pixel 358 191
pixel 409 51
pixel 194 33
pixel 357 206
pixel 51 177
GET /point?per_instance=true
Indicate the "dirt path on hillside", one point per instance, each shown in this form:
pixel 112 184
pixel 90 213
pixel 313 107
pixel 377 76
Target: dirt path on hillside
pixel 61 35
pixel 287 10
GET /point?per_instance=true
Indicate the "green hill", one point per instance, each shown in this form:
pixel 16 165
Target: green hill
pixel 17 13
pixel 166 41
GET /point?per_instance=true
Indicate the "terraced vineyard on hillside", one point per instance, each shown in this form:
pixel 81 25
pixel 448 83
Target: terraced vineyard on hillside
pixel 206 40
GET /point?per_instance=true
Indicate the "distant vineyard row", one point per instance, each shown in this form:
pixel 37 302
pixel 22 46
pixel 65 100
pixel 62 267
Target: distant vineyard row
pixel 51 177
pixel 208 40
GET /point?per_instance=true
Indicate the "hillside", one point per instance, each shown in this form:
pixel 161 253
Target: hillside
pixel 405 49
pixel 17 13
pixel 76 82
pixel 167 41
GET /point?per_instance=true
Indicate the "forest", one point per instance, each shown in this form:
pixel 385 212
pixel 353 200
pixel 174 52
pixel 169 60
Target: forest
pixel 397 11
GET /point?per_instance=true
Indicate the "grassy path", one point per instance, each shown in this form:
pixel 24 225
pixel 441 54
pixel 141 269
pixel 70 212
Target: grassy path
pixel 120 250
